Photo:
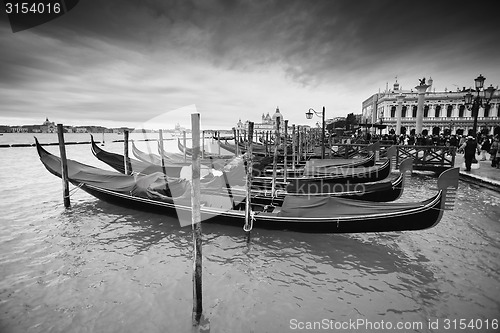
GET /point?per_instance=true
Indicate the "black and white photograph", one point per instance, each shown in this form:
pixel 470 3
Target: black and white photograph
pixel 249 166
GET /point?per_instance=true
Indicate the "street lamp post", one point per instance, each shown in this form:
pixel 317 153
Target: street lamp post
pixel 309 115
pixel 482 99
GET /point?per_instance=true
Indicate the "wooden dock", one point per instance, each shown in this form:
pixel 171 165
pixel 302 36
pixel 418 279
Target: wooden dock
pixel 429 158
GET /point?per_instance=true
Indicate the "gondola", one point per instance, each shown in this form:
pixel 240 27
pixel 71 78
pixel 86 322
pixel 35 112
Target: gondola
pixel 298 213
pixel 344 174
pixel 145 157
pixel 189 152
pixel 321 166
pixel 366 160
pixel 172 158
pixel 257 148
pixel 117 162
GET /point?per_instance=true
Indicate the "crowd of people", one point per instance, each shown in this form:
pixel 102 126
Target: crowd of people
pixel 484 145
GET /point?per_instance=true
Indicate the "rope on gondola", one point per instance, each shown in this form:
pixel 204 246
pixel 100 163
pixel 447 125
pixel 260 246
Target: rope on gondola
pixel 249 226
pixel 73 190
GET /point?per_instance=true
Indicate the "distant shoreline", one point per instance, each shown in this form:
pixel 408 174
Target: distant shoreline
pixel 15 140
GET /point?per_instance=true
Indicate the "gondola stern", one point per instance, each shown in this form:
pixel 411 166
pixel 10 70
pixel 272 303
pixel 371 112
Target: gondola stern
pixel 391 151
pixel 405 169
pixel 406 165
pixel 448 184
pixel 374 146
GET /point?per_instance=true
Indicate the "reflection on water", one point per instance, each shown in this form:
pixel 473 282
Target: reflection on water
pixel 100 268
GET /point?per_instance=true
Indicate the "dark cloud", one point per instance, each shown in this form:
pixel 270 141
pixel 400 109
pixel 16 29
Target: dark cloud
pixel 307 38
pixel 106 47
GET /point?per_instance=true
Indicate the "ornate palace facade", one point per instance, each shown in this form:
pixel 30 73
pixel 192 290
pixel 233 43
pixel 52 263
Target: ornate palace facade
pixel 445 110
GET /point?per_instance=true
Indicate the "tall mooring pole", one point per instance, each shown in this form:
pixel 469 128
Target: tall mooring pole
pixel 64 165
pixel 196 219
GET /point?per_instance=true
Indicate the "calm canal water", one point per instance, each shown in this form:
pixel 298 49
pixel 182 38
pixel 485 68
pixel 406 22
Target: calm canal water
pixel 100 268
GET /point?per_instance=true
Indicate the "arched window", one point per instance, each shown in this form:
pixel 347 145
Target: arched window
pixel 426 111
pixel 437 110
pixel 393 112
pixel 414 111
pixel 487 110
pixel 449 110
pixel 403 111
pixel 461 110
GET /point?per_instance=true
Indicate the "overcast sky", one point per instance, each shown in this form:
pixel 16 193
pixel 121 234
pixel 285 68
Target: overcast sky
pixel 122 63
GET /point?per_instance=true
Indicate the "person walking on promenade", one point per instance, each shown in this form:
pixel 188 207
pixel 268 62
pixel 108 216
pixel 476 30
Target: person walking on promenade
pixel 494 152
pixel 460 144
pixel 485 147
pixel 469 147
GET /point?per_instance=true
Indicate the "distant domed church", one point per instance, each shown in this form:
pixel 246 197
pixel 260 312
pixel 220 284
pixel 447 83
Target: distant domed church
pixel 48 126
pixel 268 122
pixel 277 115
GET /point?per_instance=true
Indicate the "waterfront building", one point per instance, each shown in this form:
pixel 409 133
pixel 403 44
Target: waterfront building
pixel 442 110
pixel 19 129
pixel 81 129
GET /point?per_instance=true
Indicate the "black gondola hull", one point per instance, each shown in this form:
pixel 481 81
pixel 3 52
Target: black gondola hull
pixel 424 218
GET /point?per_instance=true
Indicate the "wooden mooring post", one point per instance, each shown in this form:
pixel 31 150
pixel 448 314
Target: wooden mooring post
pixel 218 143
pixel 237 142
pixel 126 159
pixel 285 151
pixel 184 143
pixel 248 209
pixel 275 158
pixel 196 219
pixel 64 165
pixel 294 151
pixel 299 144
pixel 267 143
pixel 160 137
pixel 203 144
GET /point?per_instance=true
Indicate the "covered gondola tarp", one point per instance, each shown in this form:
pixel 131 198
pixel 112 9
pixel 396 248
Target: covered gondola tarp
pixel 136 185
pixel 330 207
pixel 317 167
pixel 325 187
pixel 155 186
